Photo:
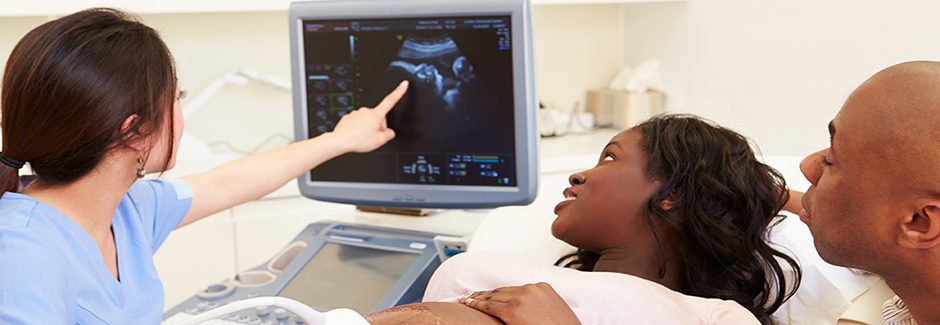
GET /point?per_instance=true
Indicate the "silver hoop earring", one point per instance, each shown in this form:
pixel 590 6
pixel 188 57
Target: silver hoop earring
pixel 140 166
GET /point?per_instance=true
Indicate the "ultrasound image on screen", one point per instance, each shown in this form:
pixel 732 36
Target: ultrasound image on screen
pixel 447 98
pixel 457 118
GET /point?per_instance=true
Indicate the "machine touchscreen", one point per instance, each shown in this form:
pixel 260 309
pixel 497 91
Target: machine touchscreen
pixel 355 277
pixel 328 265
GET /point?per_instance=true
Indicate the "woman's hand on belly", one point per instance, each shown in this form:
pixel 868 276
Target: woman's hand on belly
pixel 533 304
pixel 431 313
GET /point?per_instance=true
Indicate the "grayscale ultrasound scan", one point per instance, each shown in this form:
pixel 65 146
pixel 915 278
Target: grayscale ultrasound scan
pixel 446 97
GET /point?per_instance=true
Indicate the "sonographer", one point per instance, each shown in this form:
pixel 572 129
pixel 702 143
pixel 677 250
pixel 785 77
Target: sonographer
pixel 90 101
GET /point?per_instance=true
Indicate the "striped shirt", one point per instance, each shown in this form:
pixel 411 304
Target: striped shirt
pixel 895 312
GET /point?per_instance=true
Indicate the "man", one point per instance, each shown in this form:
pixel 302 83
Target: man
pixel 874 203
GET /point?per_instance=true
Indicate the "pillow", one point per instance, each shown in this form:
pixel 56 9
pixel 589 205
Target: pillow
pixel 525 230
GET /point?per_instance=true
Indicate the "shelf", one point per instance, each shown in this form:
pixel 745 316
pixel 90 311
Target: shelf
pixel 12 8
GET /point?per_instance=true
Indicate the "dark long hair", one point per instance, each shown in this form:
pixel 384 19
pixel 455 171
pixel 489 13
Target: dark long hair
pixel 726 201
pixel 70 84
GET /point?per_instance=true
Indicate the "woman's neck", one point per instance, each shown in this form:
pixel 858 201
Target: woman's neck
pixel 650 266
pixel 91 200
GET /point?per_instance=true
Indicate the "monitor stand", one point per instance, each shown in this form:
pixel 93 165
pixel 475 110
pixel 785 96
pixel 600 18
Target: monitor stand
pixel 402 211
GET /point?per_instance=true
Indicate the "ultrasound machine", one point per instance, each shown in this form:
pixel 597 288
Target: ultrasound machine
pixel 466 138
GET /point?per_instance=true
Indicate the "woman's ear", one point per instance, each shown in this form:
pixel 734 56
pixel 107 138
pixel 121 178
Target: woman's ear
pixel 669 201
pixel 922 230
pixel 132 139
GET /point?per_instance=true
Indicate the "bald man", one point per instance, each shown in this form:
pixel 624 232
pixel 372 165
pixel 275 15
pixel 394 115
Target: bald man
pixel 874 203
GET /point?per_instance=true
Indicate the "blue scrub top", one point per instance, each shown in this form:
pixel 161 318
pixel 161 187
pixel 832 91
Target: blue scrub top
pixel 52 272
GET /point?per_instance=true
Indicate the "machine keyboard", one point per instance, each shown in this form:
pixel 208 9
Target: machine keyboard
pixel 230 319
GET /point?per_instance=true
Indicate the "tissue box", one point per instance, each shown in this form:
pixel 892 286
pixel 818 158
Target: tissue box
pixel 623 109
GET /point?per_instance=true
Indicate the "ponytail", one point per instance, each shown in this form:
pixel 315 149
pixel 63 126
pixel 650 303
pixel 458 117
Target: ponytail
pixel 9 179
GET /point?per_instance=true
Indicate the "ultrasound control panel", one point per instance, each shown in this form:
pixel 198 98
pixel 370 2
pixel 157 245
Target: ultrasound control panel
pixel 328 265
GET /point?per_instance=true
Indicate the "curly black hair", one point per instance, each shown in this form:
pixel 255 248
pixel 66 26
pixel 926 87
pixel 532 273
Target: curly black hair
pixel 726 201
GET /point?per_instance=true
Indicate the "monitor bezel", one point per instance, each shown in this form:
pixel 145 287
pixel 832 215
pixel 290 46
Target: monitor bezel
pixel 419 195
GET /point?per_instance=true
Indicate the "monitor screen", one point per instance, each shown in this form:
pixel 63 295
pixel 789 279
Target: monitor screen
pixel 345 276
pixel 465 130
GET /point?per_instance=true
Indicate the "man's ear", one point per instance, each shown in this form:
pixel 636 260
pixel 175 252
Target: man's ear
pixel 669 201
pixel 922 230
pixel 132 139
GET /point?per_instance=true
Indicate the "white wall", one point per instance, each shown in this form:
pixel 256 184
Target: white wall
pixel 12 29
pixel 777 71
pixel 206 45
pixel 577 47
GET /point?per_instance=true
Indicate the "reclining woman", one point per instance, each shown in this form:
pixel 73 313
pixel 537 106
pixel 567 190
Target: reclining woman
pixel 670 226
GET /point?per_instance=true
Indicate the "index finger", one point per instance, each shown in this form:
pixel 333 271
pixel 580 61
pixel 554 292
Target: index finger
pixel 389 101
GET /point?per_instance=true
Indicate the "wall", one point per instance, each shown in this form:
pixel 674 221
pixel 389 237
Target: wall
pixel 776 71
pixel 12 29
pixel 239 118
pixel 577 47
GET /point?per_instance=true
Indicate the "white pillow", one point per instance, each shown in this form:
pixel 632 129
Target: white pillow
pixel 522 231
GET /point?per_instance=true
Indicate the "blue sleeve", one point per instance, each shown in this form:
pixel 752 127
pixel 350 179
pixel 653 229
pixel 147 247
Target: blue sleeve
pixel 161 204
pixel 34 280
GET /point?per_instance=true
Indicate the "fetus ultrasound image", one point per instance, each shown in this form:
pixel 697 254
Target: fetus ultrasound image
pixel 446 98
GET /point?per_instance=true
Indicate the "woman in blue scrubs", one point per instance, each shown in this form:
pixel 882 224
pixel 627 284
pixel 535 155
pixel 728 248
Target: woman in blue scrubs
pixel 90 101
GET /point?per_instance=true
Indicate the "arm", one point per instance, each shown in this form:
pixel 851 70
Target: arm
pixel 254 176
pixel 528 304
pixel 795 203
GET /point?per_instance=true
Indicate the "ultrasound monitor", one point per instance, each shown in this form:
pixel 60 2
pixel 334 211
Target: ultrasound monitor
pixel 466 132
